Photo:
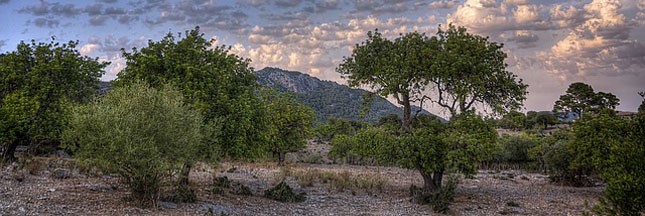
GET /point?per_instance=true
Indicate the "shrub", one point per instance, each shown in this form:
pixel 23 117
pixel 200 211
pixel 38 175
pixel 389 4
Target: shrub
pixel 283 193
pixel 141 133
pixel 440 199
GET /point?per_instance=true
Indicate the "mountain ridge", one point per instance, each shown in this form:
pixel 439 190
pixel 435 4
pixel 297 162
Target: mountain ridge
pixel 327 98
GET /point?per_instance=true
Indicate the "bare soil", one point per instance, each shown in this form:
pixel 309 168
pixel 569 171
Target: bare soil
pixel 37 189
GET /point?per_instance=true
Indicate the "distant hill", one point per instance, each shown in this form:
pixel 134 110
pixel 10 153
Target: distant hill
pixel 328 99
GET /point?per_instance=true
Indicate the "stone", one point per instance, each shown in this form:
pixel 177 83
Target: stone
pixel 215 209
pixel 168 205
pixel 60 173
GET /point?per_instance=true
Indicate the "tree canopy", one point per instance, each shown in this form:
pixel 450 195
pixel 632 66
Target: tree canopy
pixel 454 69
pixel 38 84
pixel 290 123
pixel 580 98
pixel 219 84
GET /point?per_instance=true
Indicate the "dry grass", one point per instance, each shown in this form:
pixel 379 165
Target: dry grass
pixel 340 181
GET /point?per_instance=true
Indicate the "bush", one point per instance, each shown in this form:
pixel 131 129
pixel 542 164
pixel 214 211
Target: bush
pixel 141 133
pixel 440 199
pixel 283 193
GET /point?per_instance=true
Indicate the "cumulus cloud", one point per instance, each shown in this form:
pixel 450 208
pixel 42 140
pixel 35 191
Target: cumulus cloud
pixel 598 46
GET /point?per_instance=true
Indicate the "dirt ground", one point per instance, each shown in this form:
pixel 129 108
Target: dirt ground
pixel 38 191
pixel 58 186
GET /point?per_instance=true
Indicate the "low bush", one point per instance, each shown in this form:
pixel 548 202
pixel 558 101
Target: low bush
pixel 283 193
pixel 141 133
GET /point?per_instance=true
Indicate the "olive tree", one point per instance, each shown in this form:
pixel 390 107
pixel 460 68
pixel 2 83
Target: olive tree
pixel 456 70
pixel 39 82
pixel 141 133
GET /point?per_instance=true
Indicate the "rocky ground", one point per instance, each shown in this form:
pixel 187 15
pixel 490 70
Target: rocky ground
pixel 52 187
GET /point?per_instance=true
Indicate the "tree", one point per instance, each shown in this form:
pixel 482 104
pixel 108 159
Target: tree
pixel 392 68
pixel 219 84
pixel 513 120
pixel 545 119
pixel 614 147
pixel 469 71
pixel 461 70
pixel 38 84
pixel 290 123
pixel 580 98
pixel 141 133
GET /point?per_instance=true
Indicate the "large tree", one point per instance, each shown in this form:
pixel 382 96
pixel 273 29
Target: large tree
pixel 38 84
pixel 580 98
pixel 392 68
pixel 468 71
pixel 457 70
pixel 219 84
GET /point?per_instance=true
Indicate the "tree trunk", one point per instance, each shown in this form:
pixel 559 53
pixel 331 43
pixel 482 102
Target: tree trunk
pixel 407 110
pixel 432 181
pixel 8 152
pixel 280 158
pixel 183 174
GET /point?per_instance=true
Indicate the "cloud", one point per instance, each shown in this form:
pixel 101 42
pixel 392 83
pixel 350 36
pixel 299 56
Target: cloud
pixel 323 6
pixel 89 48
pixel 287 3
pixel 4 1
pixel 525 39
pixel 44 22
pixel 2 43
pixel 598 46
pixel 443 4
pixel 42 8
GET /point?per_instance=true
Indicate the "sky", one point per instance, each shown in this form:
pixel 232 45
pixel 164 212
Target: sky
pixel 550 43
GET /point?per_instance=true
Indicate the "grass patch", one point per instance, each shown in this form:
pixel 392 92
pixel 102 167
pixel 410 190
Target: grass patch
pixel 340 181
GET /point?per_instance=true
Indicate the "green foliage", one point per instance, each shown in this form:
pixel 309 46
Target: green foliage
pixel 368 143
pixel 290 123
pixel 141 133
pixel 580 98
pixel 471 139
pixel 336 126
pixel 616 148
pixel 38 84
pixel 283 193
pixel 469 70
pixel 513 120
pixel 440 199
pixel 219 84
pixel 515 149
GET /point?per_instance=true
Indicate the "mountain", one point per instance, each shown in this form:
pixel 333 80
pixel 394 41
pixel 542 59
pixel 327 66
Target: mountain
pixel 328 99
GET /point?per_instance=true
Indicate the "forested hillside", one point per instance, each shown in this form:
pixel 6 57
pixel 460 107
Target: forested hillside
pixel 328 99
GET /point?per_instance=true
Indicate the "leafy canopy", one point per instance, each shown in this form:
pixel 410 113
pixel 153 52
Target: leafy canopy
pixel 290 123
pixel 38 84
pixel 141 133
pixel 219 84
pixel 580 98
